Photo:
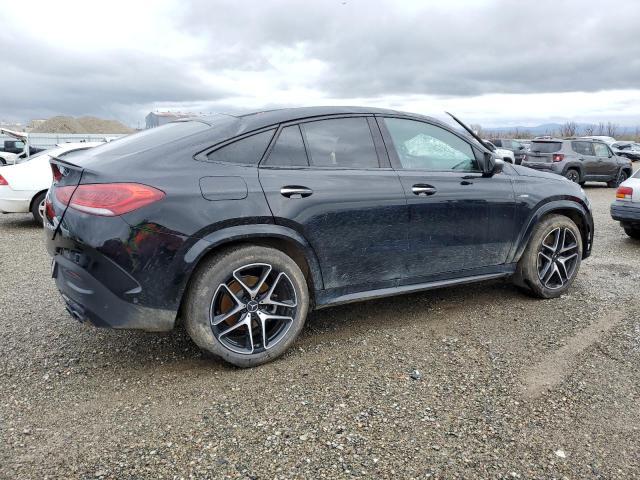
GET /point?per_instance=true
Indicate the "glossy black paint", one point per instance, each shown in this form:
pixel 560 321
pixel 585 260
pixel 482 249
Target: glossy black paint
pixel 360 233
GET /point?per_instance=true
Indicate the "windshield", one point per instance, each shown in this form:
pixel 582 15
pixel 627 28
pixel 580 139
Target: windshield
pixel 545 147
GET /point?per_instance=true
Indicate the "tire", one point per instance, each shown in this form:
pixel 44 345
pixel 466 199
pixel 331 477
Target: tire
pixel 632 232
pixel 621 177
pixel 573 175
pixel 37 208
pixel 215 293
pixel 2 162
pixel 532 273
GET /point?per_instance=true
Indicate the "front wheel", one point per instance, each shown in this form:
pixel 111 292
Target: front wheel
pixel 552 259
pixel 247 305
pixel 632 232
pixel 621 177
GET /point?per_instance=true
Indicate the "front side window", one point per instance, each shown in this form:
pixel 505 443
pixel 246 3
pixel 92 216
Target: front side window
pixel 583 148
pixel 246 151
pixel 422 146
pixel 601 150
pixel 289 149
pixel 340 143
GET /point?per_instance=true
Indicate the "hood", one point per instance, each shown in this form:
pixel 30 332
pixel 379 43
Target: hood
pixel 530 172
pixel 17 135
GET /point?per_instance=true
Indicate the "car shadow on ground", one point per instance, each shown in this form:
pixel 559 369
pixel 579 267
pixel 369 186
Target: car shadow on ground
pixel 170 350
pixel 19 221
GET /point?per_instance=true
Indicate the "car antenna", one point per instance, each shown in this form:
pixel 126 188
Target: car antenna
pixel 471 132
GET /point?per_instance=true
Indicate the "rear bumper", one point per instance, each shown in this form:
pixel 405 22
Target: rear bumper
pixel 625 212
pixel 88 300
pixel 15 201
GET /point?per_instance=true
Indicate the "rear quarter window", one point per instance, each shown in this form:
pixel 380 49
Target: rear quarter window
pixel 583 148
pixel 246 151
pixel 545 147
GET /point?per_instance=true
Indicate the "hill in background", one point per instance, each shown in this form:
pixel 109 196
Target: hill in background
pixel 63 124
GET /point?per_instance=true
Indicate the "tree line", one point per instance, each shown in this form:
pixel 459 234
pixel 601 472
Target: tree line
pixel 568 129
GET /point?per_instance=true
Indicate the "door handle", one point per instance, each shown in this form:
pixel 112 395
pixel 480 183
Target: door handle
pixel 294 191
pixel 423 190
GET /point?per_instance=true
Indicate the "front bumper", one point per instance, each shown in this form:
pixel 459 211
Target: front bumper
pixel 625 212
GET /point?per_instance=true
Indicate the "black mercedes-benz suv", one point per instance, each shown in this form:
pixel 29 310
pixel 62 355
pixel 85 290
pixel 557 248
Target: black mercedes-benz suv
pixel 238 226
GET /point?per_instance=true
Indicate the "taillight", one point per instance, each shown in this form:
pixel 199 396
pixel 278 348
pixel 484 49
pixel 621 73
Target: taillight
pixel 3 181
pixel 57 175
pixel 558 157
pixel 624 193
pixel 108 199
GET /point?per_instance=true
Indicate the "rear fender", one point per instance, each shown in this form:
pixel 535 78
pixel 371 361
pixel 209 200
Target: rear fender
pixel 248 233
pixel 576 166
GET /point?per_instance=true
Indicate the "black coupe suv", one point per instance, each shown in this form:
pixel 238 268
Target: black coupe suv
pixel 238 226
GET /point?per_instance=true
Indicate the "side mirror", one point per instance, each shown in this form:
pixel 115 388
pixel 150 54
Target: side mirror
pixel 494 165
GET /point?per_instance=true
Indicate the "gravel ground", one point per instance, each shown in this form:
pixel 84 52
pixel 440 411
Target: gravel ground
pixel 473 382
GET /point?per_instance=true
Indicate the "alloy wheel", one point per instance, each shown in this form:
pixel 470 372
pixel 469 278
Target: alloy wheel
pixel 557 258
pixel 253 309
pixel 41 209
pixel 573 176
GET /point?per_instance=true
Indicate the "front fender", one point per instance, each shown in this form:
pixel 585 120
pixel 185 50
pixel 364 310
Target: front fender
pixel 247 232
pixel 563 205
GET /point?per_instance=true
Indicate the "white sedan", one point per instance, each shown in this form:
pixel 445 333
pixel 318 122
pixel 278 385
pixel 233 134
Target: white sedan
pixel 23 187
pixel 626 207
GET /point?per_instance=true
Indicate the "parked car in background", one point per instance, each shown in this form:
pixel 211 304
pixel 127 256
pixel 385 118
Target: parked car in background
pixel 12 151
pixel 579 159
pixel 24 186
pixel 518 149
pixel 243 224
pixel 631 150
pixel 503 153
pixel 602 138
pixel 626 207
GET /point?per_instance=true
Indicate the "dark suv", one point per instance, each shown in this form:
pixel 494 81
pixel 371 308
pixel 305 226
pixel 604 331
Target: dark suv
pixel 578 159
pixel 518 149
pixel 239 226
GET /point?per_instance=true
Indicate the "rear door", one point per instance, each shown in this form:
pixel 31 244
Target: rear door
pixel 607 164
pixel 459 219
pixel 330 179
pixel 587 156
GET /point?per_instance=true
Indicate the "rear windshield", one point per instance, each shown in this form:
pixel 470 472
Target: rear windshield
pixel 545 147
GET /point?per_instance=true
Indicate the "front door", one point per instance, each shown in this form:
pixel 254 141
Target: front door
pixel 458 219
pixel 341 194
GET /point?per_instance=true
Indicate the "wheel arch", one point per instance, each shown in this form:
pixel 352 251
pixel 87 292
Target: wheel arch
pixel 571 209
pixel 574 166
pixel 33 198
pixel 281 238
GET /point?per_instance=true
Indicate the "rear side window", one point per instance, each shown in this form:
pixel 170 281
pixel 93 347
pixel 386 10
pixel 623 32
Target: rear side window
pixel 341 143
pixel 583 148
pixel 246 151
pixel 545 147
pixel 289 149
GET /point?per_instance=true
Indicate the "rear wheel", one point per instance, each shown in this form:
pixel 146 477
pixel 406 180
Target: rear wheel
pixel 573 175
pixel 37 208
pixel 621 177
pixel 247 305
pixel 551 261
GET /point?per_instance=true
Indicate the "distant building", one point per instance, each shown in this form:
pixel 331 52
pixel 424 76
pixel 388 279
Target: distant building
pixel 155 119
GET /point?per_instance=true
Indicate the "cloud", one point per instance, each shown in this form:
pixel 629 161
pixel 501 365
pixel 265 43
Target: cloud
pixel 207 55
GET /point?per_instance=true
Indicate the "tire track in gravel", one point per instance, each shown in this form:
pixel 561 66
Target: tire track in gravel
pixel 556 366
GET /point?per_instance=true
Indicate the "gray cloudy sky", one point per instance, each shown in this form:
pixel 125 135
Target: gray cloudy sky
pixel 494 62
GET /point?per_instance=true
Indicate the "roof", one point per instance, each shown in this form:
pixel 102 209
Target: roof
pixel 265 118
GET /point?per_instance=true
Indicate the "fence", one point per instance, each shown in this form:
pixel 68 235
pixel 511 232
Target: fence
pixel 49 140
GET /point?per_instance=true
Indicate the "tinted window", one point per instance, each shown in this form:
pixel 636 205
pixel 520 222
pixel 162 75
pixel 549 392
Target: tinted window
pixel 343 142
pixel 247 151
pixel 545 147
pixel 289 149
pixel 427 147
pixel 601 150
pixel 583 148
pixel 497 143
